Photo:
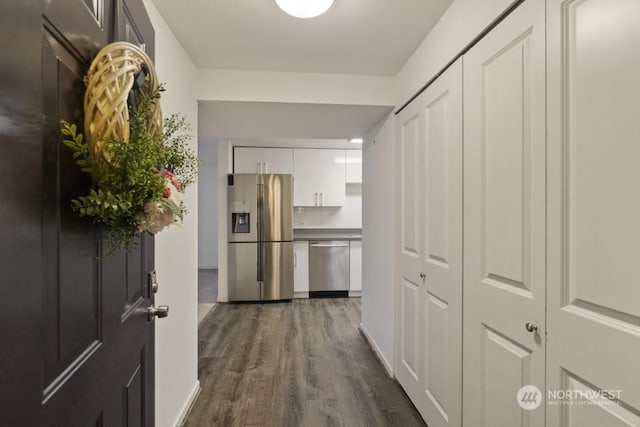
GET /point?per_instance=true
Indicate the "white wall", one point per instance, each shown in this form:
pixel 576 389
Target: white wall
pixel 378 225
pixel 176 248
pixel 460 24
pixel 208 204
pixel 225 166
pixel 268 86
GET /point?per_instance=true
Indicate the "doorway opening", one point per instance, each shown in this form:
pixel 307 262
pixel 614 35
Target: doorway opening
pixel 207 291
pixel 207 227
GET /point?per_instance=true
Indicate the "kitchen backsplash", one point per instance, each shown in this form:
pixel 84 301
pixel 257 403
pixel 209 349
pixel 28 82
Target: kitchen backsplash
pixel 348 216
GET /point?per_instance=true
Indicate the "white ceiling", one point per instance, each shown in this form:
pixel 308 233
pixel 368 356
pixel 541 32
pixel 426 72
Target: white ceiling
pixel 361 37
pixel 367 37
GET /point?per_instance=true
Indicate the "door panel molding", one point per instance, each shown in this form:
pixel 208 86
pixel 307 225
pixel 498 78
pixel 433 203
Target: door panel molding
pixel 504 219
pixel 429 249
pixel 592 109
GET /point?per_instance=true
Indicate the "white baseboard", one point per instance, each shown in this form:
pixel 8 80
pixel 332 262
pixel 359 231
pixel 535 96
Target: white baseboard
pixel 182 416
pixel 355 294
pixel 301 294
pixel 376 350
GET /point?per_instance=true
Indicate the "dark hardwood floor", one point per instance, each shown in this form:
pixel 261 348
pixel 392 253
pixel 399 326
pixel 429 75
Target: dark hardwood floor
pixel 299 364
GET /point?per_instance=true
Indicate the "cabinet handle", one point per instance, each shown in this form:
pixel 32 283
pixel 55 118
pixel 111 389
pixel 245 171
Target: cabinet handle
pixel 321 199
pixel 266 167
pixel 295 259
pixel 315 199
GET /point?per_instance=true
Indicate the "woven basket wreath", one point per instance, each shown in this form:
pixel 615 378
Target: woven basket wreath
pixel 110 79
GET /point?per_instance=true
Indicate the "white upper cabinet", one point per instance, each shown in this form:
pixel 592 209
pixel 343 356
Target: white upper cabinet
pixel 278 160
pixel 319 177
pixel 263 160
pixel 305 178
pixel 247 160
pixel 354 166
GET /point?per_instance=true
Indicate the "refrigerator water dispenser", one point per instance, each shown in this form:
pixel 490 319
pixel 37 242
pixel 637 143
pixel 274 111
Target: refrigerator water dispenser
pixel 240 222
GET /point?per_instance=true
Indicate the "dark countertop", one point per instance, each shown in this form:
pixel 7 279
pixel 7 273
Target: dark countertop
pixel 327 234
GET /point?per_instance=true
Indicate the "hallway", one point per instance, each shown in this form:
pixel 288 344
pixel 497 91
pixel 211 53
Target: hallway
pixel 293 364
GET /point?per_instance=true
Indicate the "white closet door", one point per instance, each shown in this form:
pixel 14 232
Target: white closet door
pixel 430 282
pixel 409 247
pixel 504 220
pixel 440 368
pixel 594 209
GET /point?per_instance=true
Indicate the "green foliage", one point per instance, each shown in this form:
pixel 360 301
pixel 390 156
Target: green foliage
pixel 134 173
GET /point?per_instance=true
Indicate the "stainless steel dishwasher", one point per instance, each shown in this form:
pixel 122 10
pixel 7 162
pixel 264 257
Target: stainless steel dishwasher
pixel 328 268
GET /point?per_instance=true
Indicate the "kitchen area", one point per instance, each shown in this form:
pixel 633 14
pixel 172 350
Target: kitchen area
pixel 289 220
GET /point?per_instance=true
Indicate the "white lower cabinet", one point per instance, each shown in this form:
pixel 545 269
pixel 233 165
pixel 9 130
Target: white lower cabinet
pixel 355 268
pixel 301 269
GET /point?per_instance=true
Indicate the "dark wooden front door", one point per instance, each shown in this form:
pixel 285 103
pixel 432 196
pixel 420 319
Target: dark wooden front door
pixel 76 344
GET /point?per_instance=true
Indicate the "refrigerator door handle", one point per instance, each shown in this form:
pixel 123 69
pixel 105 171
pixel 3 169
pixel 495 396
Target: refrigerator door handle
pixel 260 272
pixel 260 232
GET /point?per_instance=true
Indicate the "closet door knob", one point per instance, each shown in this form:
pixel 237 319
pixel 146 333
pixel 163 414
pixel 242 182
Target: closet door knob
pixel 531 327
pixel 423 276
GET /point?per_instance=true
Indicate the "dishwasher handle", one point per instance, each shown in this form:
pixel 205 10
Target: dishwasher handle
pixel 328 245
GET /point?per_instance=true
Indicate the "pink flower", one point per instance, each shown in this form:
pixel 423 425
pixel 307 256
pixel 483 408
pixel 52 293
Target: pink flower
pixel 167 193
pixel 173 180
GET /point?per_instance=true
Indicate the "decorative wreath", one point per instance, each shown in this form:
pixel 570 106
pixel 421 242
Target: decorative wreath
pixel 139 163
pixel 110 80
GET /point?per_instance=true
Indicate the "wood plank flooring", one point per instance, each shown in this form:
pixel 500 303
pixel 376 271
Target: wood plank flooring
pixel 299 364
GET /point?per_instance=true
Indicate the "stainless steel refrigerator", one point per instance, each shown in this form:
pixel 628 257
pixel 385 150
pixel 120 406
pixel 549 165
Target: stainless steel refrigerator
pixel 260 237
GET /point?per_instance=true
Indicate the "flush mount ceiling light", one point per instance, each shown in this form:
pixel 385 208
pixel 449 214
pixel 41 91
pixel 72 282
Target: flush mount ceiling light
pixel 305 8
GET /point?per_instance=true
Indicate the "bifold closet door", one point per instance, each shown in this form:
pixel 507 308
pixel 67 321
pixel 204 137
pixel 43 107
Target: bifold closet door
pixel 594 211
pixel 504 221
pixel 429 292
